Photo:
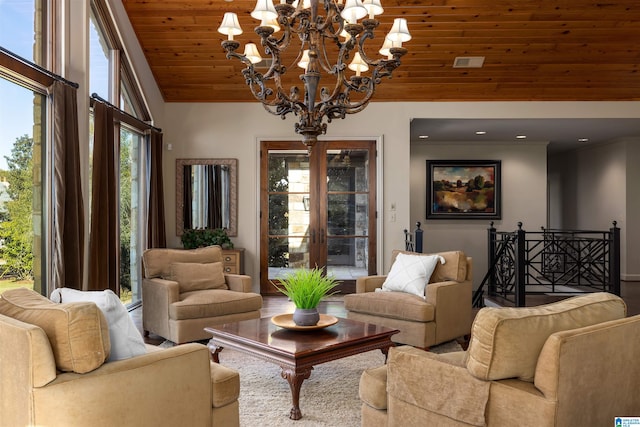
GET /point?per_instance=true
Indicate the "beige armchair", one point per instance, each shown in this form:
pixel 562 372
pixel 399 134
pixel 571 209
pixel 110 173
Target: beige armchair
pixel 184 291
pixel 443 314
pixel 571 363
pixel 52 373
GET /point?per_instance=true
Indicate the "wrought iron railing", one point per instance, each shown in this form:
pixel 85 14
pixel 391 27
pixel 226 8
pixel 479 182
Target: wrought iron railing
pixel 413 241
pixel 550 262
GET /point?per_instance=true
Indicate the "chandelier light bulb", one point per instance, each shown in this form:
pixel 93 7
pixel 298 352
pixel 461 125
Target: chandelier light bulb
pixel 264 10
pixel 306 4
pixel 304 61
pixel 353 10
pixel 273 23
pixel 385 49
pixel 358 65
pixel 374 7
pixel 399 32
pixel 230 25
pixel 252 54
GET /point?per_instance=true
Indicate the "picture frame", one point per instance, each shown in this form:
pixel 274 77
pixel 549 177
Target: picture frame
pixel 464 189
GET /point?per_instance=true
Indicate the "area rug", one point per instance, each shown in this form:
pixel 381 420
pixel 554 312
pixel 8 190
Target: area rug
pixel 328 398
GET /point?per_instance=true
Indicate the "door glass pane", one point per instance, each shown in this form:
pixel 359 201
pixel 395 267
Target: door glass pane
pixel 288 216
pixel 348 213
pixel 22 196
pixel 130 232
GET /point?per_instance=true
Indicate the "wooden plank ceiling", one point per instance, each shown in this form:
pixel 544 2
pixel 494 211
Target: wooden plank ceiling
pixel 534 49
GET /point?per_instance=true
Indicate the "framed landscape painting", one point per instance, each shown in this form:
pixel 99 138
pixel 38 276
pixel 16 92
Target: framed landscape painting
pixel 463 189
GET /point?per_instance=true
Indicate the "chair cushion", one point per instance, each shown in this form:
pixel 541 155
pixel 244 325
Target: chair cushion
pixel 193 276
pixel 125 338
pixel 212 303
pixel 506 342
pixel 77 331
pixel 411 273
pixel 454 268
pixel 396 305
pixel 157 261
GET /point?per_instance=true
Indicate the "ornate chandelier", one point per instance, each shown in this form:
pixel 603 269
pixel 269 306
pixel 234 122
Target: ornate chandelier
pixel 336 34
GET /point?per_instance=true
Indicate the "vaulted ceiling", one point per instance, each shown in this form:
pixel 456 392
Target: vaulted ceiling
pixel 534 49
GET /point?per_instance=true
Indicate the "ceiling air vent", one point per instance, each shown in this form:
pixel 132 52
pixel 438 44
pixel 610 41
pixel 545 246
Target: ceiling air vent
pixel 468 62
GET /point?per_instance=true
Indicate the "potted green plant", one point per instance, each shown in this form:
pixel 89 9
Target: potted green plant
pixel 306 288
pixel 201 237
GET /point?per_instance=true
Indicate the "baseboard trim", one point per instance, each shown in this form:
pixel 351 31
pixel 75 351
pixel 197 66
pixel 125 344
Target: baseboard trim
pixel 630 277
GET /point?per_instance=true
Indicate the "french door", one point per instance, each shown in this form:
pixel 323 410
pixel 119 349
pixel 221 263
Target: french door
pixel 317 210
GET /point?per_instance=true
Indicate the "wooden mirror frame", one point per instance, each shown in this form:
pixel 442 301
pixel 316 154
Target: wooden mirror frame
pixel 233 191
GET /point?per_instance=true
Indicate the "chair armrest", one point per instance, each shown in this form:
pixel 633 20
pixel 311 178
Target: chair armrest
pixel 238 282
pixel 369 283
pixel 436 384
pixel 166 291
pixel 452 302
pixel 176 384
pixel 158 294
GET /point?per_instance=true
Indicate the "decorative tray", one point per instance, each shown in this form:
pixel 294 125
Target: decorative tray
pixel 286 321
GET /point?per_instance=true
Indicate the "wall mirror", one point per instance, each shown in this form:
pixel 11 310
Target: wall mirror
pixel 206 194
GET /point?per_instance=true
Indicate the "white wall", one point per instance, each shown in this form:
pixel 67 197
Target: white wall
pixel 524 196
pixel 599 186
pixel 632 235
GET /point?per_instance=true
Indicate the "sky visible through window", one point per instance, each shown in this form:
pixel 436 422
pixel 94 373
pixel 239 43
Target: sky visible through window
pixel 16 103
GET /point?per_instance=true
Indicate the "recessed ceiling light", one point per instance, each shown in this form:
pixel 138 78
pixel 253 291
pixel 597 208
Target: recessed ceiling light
pixel 423 136
pixel 481 132
pixel 583 139
pixel 521 136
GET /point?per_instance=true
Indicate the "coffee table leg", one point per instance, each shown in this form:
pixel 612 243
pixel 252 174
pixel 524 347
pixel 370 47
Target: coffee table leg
pixel 215 350
pixel 385 351
pixel 295 380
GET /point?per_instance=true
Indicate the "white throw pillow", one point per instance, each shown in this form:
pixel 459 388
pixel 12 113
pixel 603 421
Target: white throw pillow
pixel 411 273
pixel 126 341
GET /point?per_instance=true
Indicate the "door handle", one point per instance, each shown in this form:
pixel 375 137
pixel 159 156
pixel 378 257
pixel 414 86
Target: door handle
pixel 322 236
pixel 313 236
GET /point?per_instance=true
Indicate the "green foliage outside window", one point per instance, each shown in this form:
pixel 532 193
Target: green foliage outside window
pixel 201 237
pixel 16 227
pixel 278 211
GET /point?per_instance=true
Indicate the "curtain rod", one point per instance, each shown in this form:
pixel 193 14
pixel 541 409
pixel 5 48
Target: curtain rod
pixel 39 68
pixel 97 97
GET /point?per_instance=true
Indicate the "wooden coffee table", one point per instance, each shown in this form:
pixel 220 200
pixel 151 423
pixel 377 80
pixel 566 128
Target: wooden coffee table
pixel 297 352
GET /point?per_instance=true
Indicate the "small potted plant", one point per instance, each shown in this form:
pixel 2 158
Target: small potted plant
pixel 306 288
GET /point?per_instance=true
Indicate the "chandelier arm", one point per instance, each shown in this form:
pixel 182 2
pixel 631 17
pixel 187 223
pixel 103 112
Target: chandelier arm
pixel 325 62
pixel 261 91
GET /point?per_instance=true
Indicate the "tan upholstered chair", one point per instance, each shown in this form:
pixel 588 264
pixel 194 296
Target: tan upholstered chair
pixel 571 363
pixel 53 373
pixel 184 291
pixel 442 315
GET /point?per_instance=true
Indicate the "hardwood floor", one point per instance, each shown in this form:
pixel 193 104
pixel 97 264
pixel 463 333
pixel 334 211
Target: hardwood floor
pixel 272 305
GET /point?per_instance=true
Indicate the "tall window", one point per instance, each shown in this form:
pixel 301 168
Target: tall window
pixel 110 78
pixel 24 201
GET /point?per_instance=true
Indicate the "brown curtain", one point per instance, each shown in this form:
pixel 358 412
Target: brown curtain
pixel 156 234
pixel 68 206
pixel 215 197
pixel 187 198
pixel 104 239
